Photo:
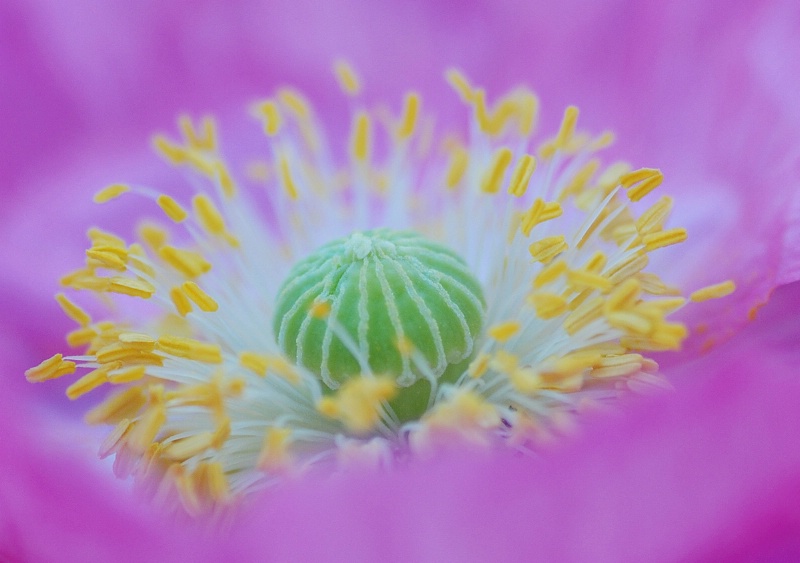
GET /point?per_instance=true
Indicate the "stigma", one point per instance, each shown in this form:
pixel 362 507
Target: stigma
pixel 406 288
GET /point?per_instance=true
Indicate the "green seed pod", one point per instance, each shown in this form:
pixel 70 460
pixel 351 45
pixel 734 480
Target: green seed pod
pixel 394 302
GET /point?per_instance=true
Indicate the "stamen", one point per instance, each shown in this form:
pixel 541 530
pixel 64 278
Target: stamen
pixel 111 192
pixel 497 170
pixel 200 297
pixel 361 138
pixel 347 77
pixel 73 311
pixel 504 331
pixel 522 176
pixel 410 115
pixel 548 248
pixel 51 368
pixel 713 291
pixel 172 208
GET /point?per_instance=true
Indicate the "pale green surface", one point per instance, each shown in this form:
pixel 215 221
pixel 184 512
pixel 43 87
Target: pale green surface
pixel 380 284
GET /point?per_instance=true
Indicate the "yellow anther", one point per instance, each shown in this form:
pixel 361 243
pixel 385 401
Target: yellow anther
pixel 539 212
pixel 481 111
pixel 667 305
pixel 627 268
pixel 459 162
pixel 624 296
pixel 479 365
pixel 81 336
pixel 191 264
pixel 498 118
pixel 504 362
pixel 117 407
pixel 255 362
pixel 669 335
pixel 596 263
pixel 173 153
pixel 286 178
pixel 127 353
pixel 641 182
pixel 200 297
pixel 358 403
pixel 320 309
pixel 180 300
pixel 548 305
pixel 152 235
pixel 587 312
pixel 503 331
pixel 493 177
pixel 408 121
pixel 525 380
pixel 107 257
pixel 603 140
pixel 460 84
pixel 630 321
pixel 275 453
pixel 172 208
pixel 548 248
pixel 72 310
pixel 360 142
pixel 206 141
pixel 583 279
pixel 550 273
pixel 137 339
pixel 208 215
pixel 209 139
pixel 580 180
pixel 528 108
pixel 88 382
pixel 617 366
pixel 99 237
pixel 653 285
pixel 347 77
pixel 211 482
pixel 145 430
pixel 664 238
pixel 522 175
pixel 128 375
pixel 269 111
pixel 653 219
pixel 85 279
pixel 567 129
pixel 223 176
pixel 111 192
pixel 51 368
pixel 713 291
pixel 295 102
pixel 281 367
pixel 464 410
pixel 181 450
pixel 191 349
pixel 131 286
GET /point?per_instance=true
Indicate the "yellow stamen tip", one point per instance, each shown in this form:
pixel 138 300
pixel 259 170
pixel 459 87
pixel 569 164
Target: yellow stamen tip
pixel 504 331
pixel 713 291
pixel 111 192
pixel 347 77
pixel 172 208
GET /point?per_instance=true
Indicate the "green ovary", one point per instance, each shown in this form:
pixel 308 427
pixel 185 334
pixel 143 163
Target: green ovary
pixel 384 288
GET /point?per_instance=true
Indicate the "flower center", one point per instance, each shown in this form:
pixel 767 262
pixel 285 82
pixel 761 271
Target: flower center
pixel 381 303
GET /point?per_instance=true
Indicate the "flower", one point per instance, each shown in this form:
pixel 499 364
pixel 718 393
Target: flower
pixel 394 297
pixel 777 267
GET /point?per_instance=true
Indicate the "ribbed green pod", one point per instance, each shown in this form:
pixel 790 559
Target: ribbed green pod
pixel 384 287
